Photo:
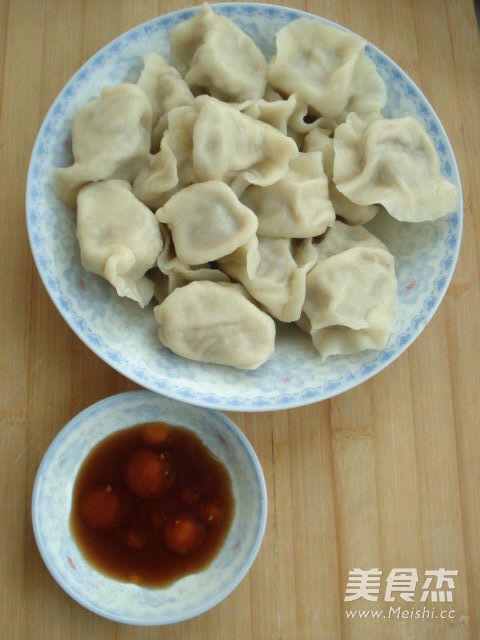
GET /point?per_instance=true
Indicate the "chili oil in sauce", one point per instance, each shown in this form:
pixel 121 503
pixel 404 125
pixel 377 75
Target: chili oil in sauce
pixel 151 504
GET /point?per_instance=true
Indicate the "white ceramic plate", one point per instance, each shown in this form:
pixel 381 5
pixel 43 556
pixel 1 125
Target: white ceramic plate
pixel 124 335
pixel 123 601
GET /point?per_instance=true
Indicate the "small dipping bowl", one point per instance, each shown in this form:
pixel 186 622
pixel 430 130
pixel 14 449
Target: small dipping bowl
pixel 124 601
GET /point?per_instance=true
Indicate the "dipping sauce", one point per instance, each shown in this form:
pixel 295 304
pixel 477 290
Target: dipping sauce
pixel 151 504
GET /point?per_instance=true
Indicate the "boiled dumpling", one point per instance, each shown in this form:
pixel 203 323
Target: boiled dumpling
pixel 173 273
pixel 297 206
pixel 319 140
pixel 301 124
pixel 279 282
pixel 317 62
pixel 369 94
pixel 167 171
pixel 302 121
pixel 119 237
pixel 245 258
pixel 165 89
pixel 274 112
pixel 327 68
pixel 179 138
pixel 169 264
pixel 215 322
pixel 341 237
pixel 299 120
pixel 165 284
pixel 207 222
pixel 393 163
pixel 214 54
pixel 157 177
pixel 110 138
pixel 350 301
pixel 226 141
pixel 235 198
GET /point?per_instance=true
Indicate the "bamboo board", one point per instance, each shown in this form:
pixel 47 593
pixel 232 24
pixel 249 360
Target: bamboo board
pixel 386 475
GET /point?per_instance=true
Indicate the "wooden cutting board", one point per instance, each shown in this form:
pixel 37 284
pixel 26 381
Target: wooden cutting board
pixel 385 476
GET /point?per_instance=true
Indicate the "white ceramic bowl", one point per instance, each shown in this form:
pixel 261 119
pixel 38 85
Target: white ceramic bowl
pixel 123 335
pixel 126 602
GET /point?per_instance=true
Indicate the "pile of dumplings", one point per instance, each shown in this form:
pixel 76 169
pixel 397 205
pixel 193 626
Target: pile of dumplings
pixel 234 191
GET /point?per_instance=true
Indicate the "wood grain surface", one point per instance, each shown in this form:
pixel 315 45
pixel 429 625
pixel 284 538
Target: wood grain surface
pixel 386 475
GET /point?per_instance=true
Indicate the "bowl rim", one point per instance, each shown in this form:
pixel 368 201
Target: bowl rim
pixel 76 423
pixel 229 402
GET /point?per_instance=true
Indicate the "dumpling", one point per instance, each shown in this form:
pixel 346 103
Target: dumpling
pixel 169 264
pixel 157 177
pixel 279 282
pixel 166 172
pixel 319 140
pixel 246 257
pixel 301 121
pixel 164 284
pixel 214 54
pixel 227 141
pixel 214 322
pixel 326 67
pixel 350 301
pixel 166 89
pixel 274 112
pixel 297 206
pixel 179 138
pixel 119 237
pixel 176 273
pixel 341 237
pixel 110 138
pixel 369 94
pixel 207 222
pixel 393 163
pixel 317 62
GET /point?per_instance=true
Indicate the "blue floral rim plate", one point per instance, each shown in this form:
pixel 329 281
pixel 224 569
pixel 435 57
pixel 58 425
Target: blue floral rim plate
pixel 124 335
pixel 123 601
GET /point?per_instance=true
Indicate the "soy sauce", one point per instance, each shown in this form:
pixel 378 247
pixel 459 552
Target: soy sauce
pixel 151 504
